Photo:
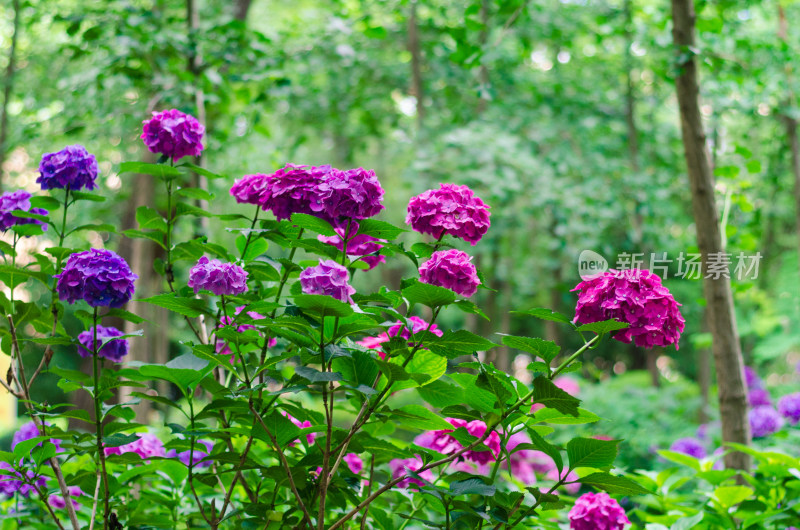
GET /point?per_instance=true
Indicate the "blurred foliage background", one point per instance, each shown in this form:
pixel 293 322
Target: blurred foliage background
pixel 561 115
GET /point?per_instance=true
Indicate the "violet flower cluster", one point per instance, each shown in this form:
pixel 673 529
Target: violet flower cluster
pixel 58 502
pixel 146 446
pixel 73 167
pixel 173 134
pixel 597 511
pixel 689 446
pixel 30 430
pixel 758 397
pixel 789 407
pixel 351 194
pixel 111 349
pixel 218 277
pixel 451 269
pixel 20 200
pixel 451 209
pixel 764 421
pixel 361 246
pixel 98 276
pixel 23 479
pixel 193 458
pixel 328 278
pixel 635 297
pixel 399 468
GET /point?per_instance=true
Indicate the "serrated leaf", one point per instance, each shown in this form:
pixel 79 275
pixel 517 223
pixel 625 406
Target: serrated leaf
pixel 545 314
pixel 549 395
pixel 590 452
pixel 323 305
pixel 614 484
pixel 547 350
pixel 315 376
pixel 379 229
pixel 157 170
pixel 315 224
pixel 601 328
pixel 427 294
pixel 190 307
pixel 471 486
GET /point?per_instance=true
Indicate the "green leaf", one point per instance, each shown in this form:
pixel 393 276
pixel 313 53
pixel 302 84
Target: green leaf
pixel 614 484
pixel 157 170
pixel 48 203
pixel 589 452
pixel 681 458
pixel 427 294
pixel 155 237
pixel 394 372
pixel 84 196
pixel 323 305
pixel 255 249
pixel 190 307
pixel 502 390
pixel 560 418
pixel 149 219
pixel 601 328
pixel 441 394
pixel 553 451
pixel 97 227
pixel 419 417
pixel 471 486
pixel 183 208
pixel 459 342
pixel 280 427
pixel 545 314
pixel 547 350
pixel 688 522
pixel 315 224
pixel 194 193
pixel 549 395
pixel 379 229
pixel 315 376
pixel 729 496
pixel 429 364
pixel 469 307
pixel 202 171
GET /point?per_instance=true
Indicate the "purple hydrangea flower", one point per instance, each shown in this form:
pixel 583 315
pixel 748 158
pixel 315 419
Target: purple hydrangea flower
pixel 451 269
pixel 99 276
pixel 442 442
pixel 328 278
pixel 19 200
pixel 73 166
pixel 147 446
pixel 223 348
pixel 310 437
pixel 199 454
pixel 30 430
pixel 764 421
pixel 11 481
pixel 597 511
pixel 451 209
pixel 360 246
pixel 351 194
pixel 399 469
pixel 758 397
pixel 637 298
pixel 789 407
pixel 113 350
pixel 218 277
pixel 751 378
pixel 58 502
pixel 174 134
pixel 689 446
pixel 354 462
pixel 293 189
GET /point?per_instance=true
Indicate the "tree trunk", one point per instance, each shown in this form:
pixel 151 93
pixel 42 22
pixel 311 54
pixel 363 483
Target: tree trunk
pixel 483 71
pixel 721 318
pixel 416 64
pixel 241 8
pixel 8 88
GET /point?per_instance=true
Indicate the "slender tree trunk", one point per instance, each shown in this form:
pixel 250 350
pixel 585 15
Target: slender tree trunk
pixel 483 72
pixel 721 318
pixel 8 88
pixel 416 64
pixel 194 68
pixel 241 9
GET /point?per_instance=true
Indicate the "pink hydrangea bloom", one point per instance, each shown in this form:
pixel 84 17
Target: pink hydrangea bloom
pixel 789 407
pixel 58 502
pixel 359 246
pixel 251 189
pixel 218 277
pixel 635 297
pixel 417 325
pixel 292 189
pixel 522 462
pixel 399 467
pixel 223 348
pixel 350 194
pixel 442 442
pixel 567 384
pixel 310 437
pixel 597 511
pixel 147 446
pixel 451 269
pixel 354 462
pixel 451 209
pixel 328 278
pixel 174 134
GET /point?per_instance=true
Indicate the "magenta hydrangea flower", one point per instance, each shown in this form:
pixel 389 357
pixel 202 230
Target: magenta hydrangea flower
pixel 174 134
pixel 758 397
pixel 451 269
pixel 199 454
pixel 293 189
pixel 399 468
pixel 218 277
pixel 525 463
pixel 58 502
pixel 328 278
pixel 310 437
pixel 99 276
pixel 442 442
pixel 223 348
pixel 11 480
pixel 350 194
pixel 751 378
pixel 354 463
pixel 451 209
pixel 113 350
pixel 764 421
pixel 147 446
pixel 789 407
pixel 20 200
pixel 689 446
pixel 73 166
pixel 635 297
pixel 417 325
pixel 30 430
pixel 361 246
pixel 597 511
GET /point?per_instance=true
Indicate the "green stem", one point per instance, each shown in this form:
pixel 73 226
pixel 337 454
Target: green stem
pixel 250 232
pixel 98 418
pixel 574 356
pixel 168 266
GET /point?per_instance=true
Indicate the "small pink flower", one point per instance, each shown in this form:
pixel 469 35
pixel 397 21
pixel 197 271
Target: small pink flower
pixel 354 462
pixel 399 469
